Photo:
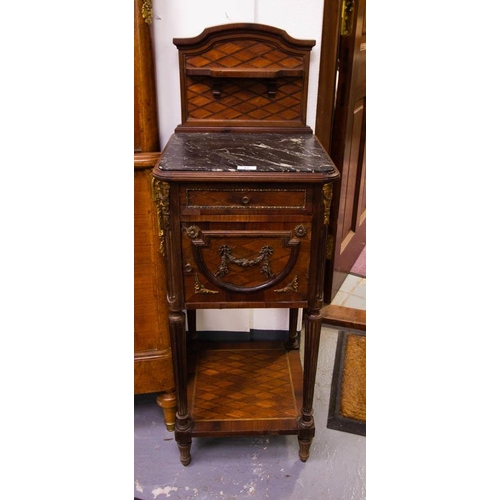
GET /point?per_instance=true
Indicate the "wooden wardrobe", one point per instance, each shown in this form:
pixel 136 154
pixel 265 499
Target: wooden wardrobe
pixel 153 371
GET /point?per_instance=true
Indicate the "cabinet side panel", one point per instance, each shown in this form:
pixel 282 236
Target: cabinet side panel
pixel 151 334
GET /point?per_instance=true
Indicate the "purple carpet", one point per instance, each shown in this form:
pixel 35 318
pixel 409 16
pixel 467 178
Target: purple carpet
pixel 359 267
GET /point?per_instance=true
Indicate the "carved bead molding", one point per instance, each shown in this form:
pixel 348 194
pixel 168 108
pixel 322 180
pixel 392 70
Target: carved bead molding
pixel 147 11
pixel 327 201
pixel 161 195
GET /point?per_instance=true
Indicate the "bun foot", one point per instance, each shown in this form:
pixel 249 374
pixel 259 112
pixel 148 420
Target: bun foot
pixel 304 447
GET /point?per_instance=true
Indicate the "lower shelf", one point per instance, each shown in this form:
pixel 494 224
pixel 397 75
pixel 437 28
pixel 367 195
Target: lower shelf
pixel 244 389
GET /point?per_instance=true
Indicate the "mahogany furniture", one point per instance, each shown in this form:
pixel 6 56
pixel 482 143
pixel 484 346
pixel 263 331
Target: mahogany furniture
pixel 243 190
pixel 153 369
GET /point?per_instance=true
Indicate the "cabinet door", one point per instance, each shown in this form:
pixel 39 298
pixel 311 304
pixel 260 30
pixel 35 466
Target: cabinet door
pixel 246 262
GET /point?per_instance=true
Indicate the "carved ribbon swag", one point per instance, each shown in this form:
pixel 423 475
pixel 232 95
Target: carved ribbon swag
pixel 262 258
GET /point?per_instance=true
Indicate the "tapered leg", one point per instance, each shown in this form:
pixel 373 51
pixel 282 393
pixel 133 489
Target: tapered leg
pixel 293 338
pixel 183 423
pixel 311 348
pixel 168 403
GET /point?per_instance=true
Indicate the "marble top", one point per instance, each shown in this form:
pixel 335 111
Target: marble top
pixel 246 152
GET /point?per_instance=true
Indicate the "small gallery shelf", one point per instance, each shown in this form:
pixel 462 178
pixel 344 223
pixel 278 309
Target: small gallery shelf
pixel 220 75
pixel 244 72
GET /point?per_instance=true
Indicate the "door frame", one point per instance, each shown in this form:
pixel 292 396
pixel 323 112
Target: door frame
pixel 327 97
pixel 327 91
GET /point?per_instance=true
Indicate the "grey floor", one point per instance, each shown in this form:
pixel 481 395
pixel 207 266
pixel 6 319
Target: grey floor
pixel 261 467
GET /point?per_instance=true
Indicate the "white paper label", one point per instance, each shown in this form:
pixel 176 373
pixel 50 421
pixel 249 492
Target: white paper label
pixel 246 167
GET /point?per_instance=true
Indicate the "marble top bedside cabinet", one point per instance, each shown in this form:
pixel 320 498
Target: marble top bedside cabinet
pixel 243 192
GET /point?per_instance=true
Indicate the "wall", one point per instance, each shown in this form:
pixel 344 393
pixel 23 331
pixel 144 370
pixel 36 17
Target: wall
pixel 188 18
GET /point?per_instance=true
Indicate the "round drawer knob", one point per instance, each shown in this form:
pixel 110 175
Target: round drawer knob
pixel 245 200
pixel 188 268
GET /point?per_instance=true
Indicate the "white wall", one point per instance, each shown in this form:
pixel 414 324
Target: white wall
pixel 300 19
pixel 188 18
pixel 179 19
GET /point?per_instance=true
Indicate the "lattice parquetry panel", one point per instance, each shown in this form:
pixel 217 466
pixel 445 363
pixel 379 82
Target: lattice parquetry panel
pixel 244 98
pixel 247 53
pixel 243 384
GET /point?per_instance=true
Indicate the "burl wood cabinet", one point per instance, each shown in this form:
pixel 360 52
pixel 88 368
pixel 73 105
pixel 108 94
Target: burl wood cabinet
pixel 243 190
pixel 153 371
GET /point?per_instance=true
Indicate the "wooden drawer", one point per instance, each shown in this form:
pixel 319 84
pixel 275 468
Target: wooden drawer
pixel 258 263
pixel 244 199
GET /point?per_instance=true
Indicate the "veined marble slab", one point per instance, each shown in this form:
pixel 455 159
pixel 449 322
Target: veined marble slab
pixel 233 152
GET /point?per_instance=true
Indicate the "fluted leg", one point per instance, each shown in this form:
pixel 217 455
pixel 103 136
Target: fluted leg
pixel 183 422
pixel 311 348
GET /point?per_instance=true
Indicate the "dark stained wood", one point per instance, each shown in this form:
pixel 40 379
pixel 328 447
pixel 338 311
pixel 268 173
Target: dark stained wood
pixel 251 31
pixel 340 127
pixel 274 128
pixel 247 199
pixel 293 336
pixel 244 220
pixel 270 178
pixel 246 73
pixel 153 365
